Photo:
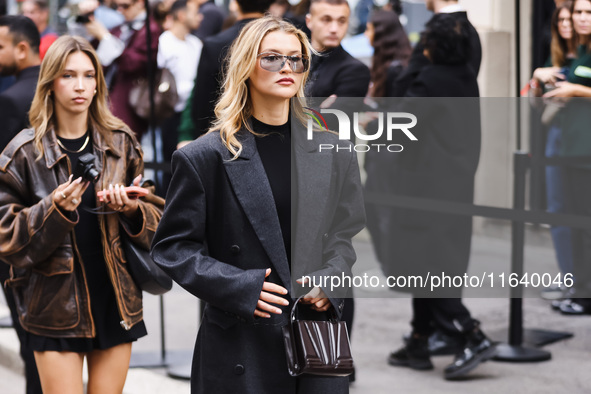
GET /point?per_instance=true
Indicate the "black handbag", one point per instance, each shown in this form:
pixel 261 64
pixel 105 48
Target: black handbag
pixel 144 271
pixel 317 347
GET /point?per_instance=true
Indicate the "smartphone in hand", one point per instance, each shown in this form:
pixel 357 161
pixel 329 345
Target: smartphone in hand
pixel 133 192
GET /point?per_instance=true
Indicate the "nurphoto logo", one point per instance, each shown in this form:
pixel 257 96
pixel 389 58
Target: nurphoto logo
pixel 392 122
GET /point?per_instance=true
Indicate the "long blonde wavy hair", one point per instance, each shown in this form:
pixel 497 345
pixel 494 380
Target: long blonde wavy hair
pixel 234 107
pixel 42 115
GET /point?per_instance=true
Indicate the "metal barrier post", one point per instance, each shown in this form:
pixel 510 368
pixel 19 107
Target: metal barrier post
pixel 514 350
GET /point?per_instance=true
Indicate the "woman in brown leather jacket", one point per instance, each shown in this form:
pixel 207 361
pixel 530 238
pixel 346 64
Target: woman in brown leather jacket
pixel 74 294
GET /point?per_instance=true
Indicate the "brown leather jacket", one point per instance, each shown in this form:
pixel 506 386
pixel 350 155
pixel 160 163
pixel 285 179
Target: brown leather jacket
pixel 37 239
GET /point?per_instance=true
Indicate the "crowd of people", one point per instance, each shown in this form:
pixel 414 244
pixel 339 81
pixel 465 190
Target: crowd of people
pixel 228 232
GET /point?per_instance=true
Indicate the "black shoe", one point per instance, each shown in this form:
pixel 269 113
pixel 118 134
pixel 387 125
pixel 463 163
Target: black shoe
pixel 478 349
pixel 575 307
pixel 415 355
pixel 441 344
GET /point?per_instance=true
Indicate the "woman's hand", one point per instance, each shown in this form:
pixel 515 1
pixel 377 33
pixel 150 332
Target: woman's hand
pixel 315 298
pixel 266 299
pixel 548 74
pixel 117 199
pixel 567 89
pixel 68 195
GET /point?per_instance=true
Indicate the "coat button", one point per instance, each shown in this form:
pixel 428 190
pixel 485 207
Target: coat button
pixel 325 235
pixel 239 369
pixel 235 249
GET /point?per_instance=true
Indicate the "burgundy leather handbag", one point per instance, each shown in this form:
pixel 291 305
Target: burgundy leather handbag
pixel 317 347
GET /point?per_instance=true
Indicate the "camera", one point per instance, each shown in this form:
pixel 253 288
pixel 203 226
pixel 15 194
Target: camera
pixel 84 18
pixel 85 168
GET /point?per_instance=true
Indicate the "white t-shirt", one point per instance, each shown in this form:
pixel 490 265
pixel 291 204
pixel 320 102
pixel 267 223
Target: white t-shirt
pixel 181 57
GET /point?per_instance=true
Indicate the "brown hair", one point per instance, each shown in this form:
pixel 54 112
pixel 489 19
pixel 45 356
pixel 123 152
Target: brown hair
pixel 390 43
pixel 42 116
pixel 559 47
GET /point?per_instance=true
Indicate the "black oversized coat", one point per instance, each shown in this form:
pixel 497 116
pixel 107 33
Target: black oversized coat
pixel 220 232
pixel 439 166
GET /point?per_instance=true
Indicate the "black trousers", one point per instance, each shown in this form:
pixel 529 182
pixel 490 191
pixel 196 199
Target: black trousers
pixel 447 314
pixel 31 373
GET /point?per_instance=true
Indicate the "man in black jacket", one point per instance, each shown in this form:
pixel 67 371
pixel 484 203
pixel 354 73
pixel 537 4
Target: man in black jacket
pixel 335 72
pixel 209 72
pixel 418 61
pixel 19 56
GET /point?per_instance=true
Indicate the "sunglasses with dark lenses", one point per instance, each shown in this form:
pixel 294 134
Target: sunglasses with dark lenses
pixel 275 62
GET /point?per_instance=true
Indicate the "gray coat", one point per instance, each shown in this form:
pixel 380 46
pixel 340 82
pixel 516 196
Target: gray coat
pixel 220 232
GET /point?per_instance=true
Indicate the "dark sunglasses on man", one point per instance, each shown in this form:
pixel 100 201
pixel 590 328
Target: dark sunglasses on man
pixel 274 62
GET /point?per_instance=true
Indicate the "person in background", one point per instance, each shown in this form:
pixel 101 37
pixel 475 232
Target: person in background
pixel 211 66
pixel 38 12
pixel 563 52
pixel 280 9
pixel 227 229
pixel 446 170
pixel 212 19
pixel 392 51
pixel 75 296
pixel 334 71
pixel 123 52
pixel 179 51
pixel 576 141
pixel 19 56
pixel 418 60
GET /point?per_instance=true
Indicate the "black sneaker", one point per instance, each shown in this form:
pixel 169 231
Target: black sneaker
pixel 478 349
pixel 414 355
pixel 441 344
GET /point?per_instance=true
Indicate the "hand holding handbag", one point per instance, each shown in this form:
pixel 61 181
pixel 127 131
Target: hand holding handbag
pixel 317 347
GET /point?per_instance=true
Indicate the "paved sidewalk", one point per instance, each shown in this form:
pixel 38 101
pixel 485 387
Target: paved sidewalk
pixel 379 326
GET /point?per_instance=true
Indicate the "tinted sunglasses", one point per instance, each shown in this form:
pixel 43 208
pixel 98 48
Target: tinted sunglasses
pixel 275 62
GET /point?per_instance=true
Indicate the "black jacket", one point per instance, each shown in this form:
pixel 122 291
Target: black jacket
pixel 337 72
pixel 439 166
pixel 219 234
pixel 209 76
pixel 15 103
pixel 418 61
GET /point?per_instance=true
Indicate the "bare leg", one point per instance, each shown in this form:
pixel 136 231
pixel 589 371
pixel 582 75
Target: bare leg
pixel 107 369
pixel 60 372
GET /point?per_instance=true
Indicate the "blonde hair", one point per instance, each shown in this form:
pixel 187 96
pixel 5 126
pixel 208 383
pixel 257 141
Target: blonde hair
pixel 42 116
pixel 234 107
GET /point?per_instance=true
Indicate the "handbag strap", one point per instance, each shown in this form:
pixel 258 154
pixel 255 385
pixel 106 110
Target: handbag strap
pixel 292 317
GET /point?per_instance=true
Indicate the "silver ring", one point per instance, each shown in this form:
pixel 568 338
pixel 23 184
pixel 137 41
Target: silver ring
pixel 74 201
pixel 63 195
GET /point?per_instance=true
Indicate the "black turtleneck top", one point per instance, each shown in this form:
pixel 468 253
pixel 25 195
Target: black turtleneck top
pixel 274 147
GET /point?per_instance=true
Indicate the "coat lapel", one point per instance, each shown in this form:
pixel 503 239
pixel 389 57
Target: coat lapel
pixel 313 172
pixel 251 185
